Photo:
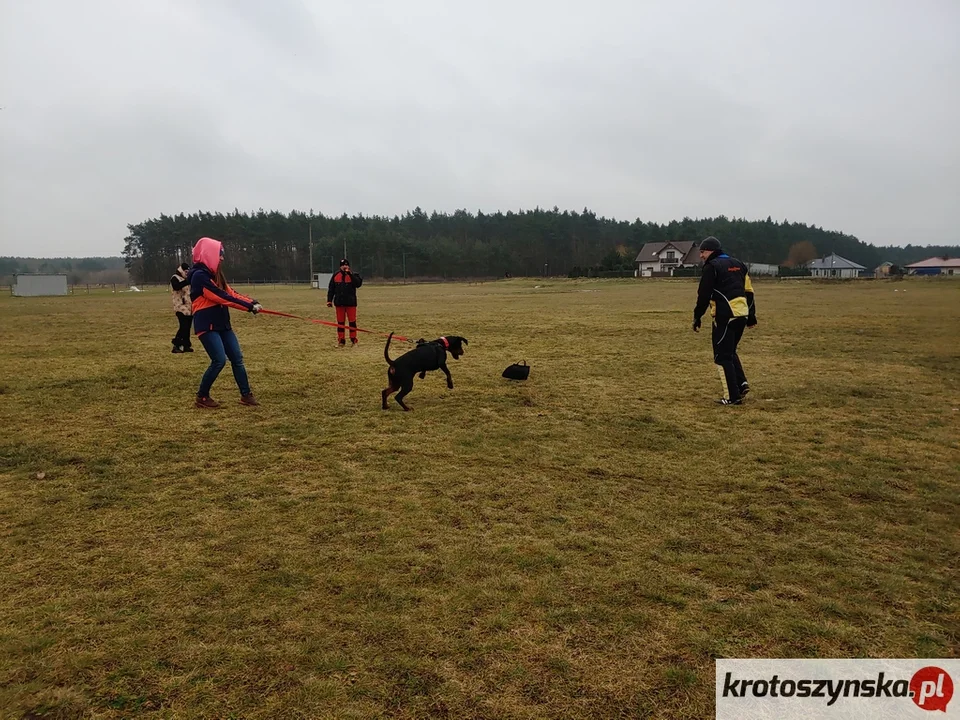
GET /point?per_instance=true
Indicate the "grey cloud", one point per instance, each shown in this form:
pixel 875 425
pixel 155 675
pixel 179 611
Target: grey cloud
pixel 840 115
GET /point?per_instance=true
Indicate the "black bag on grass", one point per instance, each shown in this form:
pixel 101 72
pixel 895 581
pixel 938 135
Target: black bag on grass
pixel 517 371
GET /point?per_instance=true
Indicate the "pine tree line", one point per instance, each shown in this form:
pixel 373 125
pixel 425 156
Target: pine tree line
pixel 273 247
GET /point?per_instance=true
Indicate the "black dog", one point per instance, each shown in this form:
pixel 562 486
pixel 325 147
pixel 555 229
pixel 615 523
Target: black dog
pixel 423 358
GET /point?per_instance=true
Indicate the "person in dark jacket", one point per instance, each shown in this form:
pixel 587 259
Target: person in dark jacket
pixel 211 297
pixel 342 292
pixel 726 289
pixel 180 291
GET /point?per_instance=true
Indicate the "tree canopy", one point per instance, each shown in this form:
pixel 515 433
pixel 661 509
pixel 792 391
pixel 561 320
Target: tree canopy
pixel 272 246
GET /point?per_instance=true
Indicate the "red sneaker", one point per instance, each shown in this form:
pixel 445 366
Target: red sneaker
pixel 207 403
pixel 248 399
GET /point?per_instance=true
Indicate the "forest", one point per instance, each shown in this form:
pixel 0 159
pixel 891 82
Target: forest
pixel 79 271
pixel 272 246
pixel 275 247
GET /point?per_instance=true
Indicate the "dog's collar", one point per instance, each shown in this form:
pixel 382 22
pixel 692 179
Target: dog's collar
pixel 446 343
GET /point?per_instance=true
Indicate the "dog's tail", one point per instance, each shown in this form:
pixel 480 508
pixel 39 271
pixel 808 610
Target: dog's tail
pixel 386 353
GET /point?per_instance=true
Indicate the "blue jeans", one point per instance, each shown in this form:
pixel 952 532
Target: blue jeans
pixel 220 346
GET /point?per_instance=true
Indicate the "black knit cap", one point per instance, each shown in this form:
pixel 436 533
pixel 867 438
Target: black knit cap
pixel 344 262
pixel 710 243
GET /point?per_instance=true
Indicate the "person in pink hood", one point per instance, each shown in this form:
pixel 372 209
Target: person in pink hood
pixel 211 297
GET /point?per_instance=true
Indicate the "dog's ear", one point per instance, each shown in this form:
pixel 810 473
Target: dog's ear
pixel 421 341
pixel 465 341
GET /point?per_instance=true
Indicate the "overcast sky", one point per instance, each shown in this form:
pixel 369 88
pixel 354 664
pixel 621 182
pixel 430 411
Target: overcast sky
pixel 842 114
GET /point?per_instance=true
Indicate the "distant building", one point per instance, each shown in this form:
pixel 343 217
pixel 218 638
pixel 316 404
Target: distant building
pixel 834 266
pixel 757 269
pixel 661 259
pixel 321 280
pixel 883 270
pixel 36 284
pixel 935 266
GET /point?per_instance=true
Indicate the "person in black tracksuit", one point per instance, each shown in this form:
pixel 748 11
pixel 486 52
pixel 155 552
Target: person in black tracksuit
pixel 725 289
pixel 342 292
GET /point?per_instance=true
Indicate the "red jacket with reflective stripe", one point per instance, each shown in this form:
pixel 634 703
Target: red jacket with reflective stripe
pixel 342 290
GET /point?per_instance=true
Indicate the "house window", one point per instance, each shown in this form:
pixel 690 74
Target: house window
pixel 670 255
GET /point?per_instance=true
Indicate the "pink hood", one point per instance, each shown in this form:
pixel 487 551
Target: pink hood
pixel 207 251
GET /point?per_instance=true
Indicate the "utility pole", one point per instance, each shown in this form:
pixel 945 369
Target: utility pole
pixel 311 255
pixel 404 255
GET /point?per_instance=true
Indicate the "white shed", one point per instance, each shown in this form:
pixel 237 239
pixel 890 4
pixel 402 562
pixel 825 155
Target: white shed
pixel 34 284
pixel 764 269
pixel 321 280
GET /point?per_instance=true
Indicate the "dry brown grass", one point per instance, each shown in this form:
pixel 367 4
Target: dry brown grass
pixel 580 545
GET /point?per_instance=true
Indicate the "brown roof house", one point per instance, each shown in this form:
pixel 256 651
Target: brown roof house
pixel 661 259
pixel 935 266
pixel 883 270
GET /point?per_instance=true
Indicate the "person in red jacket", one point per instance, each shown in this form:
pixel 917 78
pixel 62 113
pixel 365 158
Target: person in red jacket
pixel 211 297
pixel 342 292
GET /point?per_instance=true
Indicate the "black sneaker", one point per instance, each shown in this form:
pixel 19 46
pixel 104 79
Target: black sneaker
pixel 744 389
pixel 724 401
pixel 176 350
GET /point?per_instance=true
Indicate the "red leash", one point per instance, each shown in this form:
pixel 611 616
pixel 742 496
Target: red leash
pixel 333 324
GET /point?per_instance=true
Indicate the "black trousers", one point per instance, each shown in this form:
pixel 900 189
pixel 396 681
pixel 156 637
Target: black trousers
pixel 182 339
pixel 726 337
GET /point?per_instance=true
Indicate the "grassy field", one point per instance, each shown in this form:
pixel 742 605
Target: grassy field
pixel 583 544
